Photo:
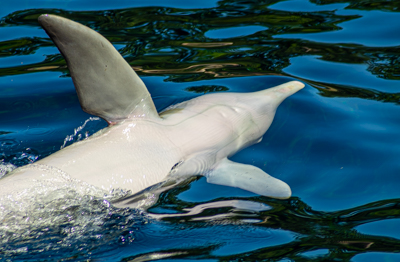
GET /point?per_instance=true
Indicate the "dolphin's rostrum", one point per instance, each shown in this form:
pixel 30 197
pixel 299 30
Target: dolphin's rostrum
pixel 140 147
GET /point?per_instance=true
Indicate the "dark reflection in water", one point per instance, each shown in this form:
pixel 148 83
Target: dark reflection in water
pixel 336 142
pixel 314 230
pixel 167 40
pixel 170 41
pixel 392 6
pixel 206 89
pixel 226 228
pixel 343 91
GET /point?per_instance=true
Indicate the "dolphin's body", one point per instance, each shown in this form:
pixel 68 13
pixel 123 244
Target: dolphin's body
pixel 141 148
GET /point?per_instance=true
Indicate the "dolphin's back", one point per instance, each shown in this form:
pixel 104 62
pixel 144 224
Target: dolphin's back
pixel 130 156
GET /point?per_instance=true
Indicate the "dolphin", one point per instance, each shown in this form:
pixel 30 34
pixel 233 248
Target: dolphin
pixel 141 147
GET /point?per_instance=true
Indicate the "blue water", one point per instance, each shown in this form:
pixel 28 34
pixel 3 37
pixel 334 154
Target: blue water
pixel 335 142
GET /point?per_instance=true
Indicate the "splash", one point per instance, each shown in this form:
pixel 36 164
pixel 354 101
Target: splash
pixel 62 215
pixel 78 133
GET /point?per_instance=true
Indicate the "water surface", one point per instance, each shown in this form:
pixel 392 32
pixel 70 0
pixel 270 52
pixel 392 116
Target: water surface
pixel 335 142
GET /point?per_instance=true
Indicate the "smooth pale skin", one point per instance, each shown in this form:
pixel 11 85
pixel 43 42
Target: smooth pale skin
pixel 141 148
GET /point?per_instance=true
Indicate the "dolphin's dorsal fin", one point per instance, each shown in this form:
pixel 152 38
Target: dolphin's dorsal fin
pixel 106 85
pixel 249 178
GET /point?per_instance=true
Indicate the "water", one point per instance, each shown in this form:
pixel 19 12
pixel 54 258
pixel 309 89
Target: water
pixel 335 142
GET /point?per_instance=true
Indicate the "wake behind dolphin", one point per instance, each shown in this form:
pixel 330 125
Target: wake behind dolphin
pixel 141 147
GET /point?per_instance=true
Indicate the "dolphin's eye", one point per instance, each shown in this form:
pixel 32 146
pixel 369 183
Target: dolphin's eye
pixel 175 167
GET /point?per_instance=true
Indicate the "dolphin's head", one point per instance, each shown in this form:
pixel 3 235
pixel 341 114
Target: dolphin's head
pixel 255 111
pixel 263 104
pixel 243 118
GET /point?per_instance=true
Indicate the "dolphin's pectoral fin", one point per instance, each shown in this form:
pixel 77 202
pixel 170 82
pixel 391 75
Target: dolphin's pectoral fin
pixel 106 84
pixel 249 178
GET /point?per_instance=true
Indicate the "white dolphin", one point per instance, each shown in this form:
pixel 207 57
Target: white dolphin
pixel 140 147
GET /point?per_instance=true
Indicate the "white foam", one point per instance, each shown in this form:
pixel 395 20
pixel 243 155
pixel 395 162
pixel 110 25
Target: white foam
pixel 6 168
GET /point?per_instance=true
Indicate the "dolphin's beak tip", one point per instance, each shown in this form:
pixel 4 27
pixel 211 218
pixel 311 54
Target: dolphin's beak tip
pixel 297 85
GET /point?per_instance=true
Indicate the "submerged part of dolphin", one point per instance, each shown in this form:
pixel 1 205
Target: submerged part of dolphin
pixel 140 147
